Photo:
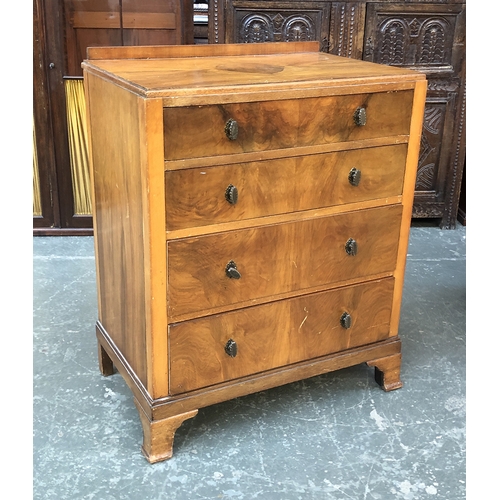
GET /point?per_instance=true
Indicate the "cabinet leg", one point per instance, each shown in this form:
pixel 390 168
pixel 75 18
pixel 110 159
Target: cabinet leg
pixel 158 436
pixel 105 364
pixel 387 372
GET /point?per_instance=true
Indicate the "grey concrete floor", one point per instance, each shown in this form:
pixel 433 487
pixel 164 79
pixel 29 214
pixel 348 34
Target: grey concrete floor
pixel 335 436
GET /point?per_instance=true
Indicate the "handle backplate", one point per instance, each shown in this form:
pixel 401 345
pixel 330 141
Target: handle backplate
pixel 360 117
pixel 232 271
pixel 351 247
pixel 354 176
pixel 231 348
pixel 346 320
pixel 231 129
pixel 231 194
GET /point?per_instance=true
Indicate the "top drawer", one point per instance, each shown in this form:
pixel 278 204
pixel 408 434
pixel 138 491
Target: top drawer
pixel 223 129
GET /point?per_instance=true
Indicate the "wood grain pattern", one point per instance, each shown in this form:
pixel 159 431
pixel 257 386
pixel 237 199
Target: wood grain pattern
pixel 277 334
pixel 198 131
pixel 149 20
pixel 270 220
pixel 161 408
pixel 423 34
pixel 95 20
pixel 274 378
pixel 273 154
pixel 196 197
pixel 277 259
pixel 119 214
pixel 94 23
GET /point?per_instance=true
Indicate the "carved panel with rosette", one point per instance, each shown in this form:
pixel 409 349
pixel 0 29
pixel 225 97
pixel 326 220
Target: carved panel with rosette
pixel 254 22
pixel 429 38
pixel 428 35
pixel 422 39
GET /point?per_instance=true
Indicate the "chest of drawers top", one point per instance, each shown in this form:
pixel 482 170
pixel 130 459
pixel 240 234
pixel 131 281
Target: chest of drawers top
pixel 238 72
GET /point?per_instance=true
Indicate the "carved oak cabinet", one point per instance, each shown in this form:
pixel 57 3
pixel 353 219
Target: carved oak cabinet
pixel 419 34
pixel 252 205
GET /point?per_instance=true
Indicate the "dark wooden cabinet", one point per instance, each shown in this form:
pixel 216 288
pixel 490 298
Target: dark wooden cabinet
pixel 63 29
pixel 428 36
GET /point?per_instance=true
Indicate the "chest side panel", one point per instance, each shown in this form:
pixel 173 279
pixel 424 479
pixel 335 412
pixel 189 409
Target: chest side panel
pixel 119 215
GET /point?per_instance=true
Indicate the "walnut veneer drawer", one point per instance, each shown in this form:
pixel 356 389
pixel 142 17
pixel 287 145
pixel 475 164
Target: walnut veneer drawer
pixel 279 259
pixel 199 131
pixel 201 196
pixel 277 334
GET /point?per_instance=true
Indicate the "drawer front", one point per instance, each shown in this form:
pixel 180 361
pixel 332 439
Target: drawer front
pixel 228 346
pixel 278 259
pixel 198 131
pixel 201 196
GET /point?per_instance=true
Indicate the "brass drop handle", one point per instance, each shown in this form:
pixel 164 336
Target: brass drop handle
pixel 360 117
pixel 231 348
pixel 231 129
pixel 346 320
pixel 354 176
pixel 232 271
pixel 231 194
pixel 351 247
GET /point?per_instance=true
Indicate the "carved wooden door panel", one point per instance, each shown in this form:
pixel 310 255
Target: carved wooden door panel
pixel 253 22
pixel 430 38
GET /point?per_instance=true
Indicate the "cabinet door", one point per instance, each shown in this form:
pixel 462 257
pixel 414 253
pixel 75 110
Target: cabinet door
pixel 157 22
pixel 251 22
pixel 44 175
pixel 429 38
pixel 63 29
pixel 91 23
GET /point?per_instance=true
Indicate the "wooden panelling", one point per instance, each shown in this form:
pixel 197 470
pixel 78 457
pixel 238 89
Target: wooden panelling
pixel 63 31
pixel 429 37
pixel 95 20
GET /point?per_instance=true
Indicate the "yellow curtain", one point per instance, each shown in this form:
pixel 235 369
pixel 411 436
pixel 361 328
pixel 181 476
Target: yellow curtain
pixel 78 146
pixel 37 202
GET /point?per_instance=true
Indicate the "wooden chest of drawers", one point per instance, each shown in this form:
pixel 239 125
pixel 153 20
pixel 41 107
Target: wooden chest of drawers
pixel 252 205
